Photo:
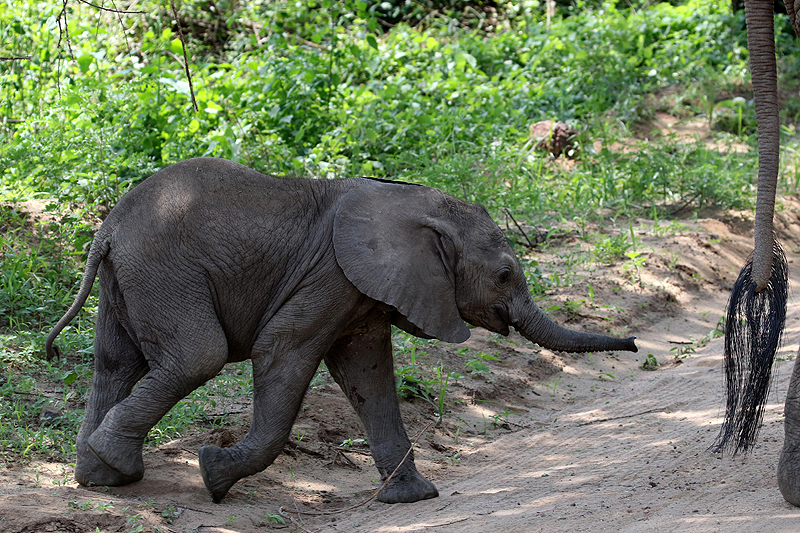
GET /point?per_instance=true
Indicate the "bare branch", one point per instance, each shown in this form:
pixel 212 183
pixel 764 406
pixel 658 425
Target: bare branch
pixel 63 31
pixel 112 10
pixel 185 58
pixel 122 24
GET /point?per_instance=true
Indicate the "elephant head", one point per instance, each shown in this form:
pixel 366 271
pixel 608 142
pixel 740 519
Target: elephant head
pixel 440 261
pixel 757 307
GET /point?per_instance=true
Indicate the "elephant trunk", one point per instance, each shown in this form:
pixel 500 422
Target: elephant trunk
pixel 789 464
pixel 535 326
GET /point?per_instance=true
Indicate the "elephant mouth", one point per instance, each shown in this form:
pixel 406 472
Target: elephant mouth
pixel 505 320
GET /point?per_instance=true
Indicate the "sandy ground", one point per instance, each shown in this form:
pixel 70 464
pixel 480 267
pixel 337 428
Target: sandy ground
pixel 543 442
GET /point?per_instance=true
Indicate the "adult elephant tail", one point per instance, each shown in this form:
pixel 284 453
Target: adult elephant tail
pixel 757 306
pixel 754 326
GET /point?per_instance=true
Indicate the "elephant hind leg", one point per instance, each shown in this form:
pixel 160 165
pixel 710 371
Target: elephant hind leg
pixel 177 367
pixel 118 365
pixel 285 356
pixel 281 375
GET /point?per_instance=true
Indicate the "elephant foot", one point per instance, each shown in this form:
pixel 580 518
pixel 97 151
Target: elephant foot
pixel 90 471
pixel 789 476
pixel 215 468
pixel 407 487
pixel 105 462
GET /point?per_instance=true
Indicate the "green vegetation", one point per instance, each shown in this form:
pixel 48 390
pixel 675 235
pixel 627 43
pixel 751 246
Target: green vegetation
pixel 415 379
pixel 332 89
pixel 650 362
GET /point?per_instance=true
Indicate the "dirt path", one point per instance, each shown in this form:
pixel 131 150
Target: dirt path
pixel 544 442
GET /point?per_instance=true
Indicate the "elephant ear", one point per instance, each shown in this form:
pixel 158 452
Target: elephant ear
pixel 396 244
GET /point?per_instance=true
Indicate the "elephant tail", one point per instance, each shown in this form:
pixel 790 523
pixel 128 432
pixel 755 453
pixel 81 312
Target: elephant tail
pixel 753 329
pixel 98 251
pixel 757 307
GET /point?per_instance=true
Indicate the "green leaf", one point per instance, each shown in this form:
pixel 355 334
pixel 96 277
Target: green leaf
pixel 471 61
pixel 372 41
pixel 176 46
pixel 300 133
pixel 84 61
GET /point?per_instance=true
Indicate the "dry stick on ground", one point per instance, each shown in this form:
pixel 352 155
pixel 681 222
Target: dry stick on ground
pixel 185 59
pixel 284 512
pixel 350 450
pixel 346 460
pixel 601 420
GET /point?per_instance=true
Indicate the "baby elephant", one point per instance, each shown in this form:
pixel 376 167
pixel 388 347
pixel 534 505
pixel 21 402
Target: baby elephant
pixel 209 262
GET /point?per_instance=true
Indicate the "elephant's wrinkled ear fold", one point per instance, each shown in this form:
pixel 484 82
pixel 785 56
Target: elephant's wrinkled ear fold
pixel 390 242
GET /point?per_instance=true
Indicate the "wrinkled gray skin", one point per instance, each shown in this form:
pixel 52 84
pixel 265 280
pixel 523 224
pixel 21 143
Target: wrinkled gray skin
pixel 761 44
pixel 209 262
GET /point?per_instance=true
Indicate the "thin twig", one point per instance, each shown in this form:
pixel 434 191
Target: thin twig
pixel 16 58
pixel 530 244
pixel 121 25
pixel 302 449
pixel 347 461
pixel 343 449
pixel 185 58
pixel 451 522
pixel 193 509
pixel 374 495
pixel 685 205
pixel 298 512
pixel 112 10
pixel 61 33
pixel 657 410
pixel 65 30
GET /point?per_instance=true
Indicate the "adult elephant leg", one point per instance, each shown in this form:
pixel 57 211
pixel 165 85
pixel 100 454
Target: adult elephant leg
pixel 190 349
pixel 118 365
pixel 362 365
pixel 789 463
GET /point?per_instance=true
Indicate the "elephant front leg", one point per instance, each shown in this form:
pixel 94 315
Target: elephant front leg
pixel 362 365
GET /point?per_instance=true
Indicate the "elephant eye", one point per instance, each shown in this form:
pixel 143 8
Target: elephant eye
pixel 504 277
